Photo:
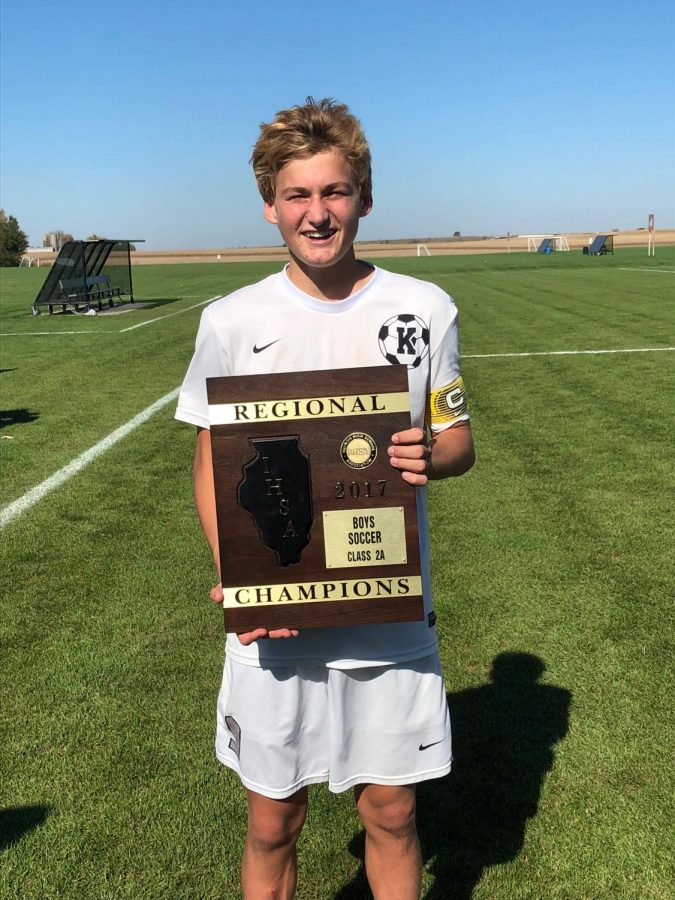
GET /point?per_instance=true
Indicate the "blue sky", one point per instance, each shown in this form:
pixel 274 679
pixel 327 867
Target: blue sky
pixel 137 119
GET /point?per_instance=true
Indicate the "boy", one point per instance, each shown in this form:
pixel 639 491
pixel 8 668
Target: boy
pixel 361 707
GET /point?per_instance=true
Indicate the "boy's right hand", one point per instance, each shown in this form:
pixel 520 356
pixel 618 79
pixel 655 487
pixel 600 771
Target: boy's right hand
pixel 248 637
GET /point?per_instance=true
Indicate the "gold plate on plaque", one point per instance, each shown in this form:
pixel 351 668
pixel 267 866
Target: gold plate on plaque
pixel 369 537
pixel 371 589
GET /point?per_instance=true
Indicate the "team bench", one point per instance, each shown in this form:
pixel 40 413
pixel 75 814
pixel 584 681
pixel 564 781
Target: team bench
pixel 81 292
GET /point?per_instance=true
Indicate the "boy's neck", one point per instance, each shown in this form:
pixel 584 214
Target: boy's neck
pixel 336 282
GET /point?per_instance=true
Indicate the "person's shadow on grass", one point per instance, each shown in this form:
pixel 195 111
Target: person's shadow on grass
pixel 11 417
pixel 503 737
pixel 17 821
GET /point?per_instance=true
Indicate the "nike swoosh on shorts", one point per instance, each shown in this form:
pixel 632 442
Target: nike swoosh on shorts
pixel 433 744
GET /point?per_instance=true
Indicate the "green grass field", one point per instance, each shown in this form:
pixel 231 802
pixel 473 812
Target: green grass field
pixel 553 586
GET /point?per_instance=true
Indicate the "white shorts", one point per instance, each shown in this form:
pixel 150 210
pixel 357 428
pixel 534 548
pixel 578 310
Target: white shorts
pixel 283 728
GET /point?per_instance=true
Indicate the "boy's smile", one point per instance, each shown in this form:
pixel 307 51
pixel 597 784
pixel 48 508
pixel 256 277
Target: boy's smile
pixel 317 209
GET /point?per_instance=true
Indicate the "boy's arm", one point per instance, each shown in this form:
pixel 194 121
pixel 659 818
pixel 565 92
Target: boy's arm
pixel 449 452
pixel 204 492
pixel 205 501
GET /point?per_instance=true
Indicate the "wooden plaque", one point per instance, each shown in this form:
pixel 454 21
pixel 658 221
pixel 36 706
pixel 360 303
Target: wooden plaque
pixel 315 527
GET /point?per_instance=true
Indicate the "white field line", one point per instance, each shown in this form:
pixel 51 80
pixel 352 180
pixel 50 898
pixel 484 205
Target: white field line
pixel 645 269
pixel 565 352
pixel 170 315
pixel 12 510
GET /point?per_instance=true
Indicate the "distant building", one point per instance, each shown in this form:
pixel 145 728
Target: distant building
pixel 55 239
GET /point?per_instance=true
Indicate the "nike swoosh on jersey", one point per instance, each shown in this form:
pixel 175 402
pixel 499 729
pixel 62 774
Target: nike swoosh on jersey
pixel 257 349
pixel 426 746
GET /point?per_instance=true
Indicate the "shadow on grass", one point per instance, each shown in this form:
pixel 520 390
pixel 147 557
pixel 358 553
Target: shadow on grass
pixel 9 417
pixel 157 301
pixel 17 821
pixel 150 302
pixel 503 738
pixel 137 306
pixel 106 310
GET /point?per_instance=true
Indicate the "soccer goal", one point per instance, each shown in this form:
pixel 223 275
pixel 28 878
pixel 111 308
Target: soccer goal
pixel 27 261
pixel 423 250
pixel 537 243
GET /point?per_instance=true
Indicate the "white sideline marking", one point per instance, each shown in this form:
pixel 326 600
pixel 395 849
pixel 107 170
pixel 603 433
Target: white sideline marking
pixel 565 352
pixel 169 315
pixel 17 507
pixel 645 269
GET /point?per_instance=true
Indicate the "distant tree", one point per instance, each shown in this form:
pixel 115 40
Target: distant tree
pixel 13 240
pixel 457 234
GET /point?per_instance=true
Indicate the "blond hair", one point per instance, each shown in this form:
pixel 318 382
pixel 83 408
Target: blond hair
pixel 303 131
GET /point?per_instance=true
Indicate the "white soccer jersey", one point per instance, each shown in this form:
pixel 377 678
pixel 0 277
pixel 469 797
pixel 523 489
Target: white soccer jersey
pixel 272 326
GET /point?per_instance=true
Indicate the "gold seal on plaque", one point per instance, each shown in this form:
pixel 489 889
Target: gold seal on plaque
pixel 358 450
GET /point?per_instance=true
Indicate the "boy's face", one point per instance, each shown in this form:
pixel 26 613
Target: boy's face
pixel 317 208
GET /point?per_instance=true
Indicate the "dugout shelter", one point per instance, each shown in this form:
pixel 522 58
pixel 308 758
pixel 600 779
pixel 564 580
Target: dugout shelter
pixel 87 274
pixel 601 245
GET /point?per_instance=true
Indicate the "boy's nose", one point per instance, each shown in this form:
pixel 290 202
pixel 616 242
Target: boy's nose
pixel 317 212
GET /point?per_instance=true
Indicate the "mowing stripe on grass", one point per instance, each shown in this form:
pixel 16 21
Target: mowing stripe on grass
pixel 17 507
pixel 645 269
pixel 14 509
pixel 170 315
pixel 566 352
pixel 121 331
pixel 34 333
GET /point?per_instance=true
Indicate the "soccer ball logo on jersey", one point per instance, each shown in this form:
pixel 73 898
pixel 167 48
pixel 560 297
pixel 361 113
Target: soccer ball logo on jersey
pixel 404 340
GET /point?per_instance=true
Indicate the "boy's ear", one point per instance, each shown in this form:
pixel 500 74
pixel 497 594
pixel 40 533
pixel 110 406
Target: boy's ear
pixel 366 206
pixel 270 213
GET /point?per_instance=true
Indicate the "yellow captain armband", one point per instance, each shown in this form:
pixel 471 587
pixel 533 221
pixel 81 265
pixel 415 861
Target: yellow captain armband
pixel 447 404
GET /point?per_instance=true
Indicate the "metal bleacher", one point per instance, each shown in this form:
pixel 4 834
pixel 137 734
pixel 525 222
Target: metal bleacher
pixel 87 274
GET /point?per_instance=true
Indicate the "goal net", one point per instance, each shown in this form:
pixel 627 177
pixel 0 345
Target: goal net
pixel 557 241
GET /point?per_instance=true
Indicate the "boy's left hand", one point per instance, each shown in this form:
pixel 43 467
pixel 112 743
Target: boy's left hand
pixel 411 455
pixel 248 637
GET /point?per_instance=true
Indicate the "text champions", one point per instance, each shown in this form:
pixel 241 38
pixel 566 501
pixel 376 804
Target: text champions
pixel 322 591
